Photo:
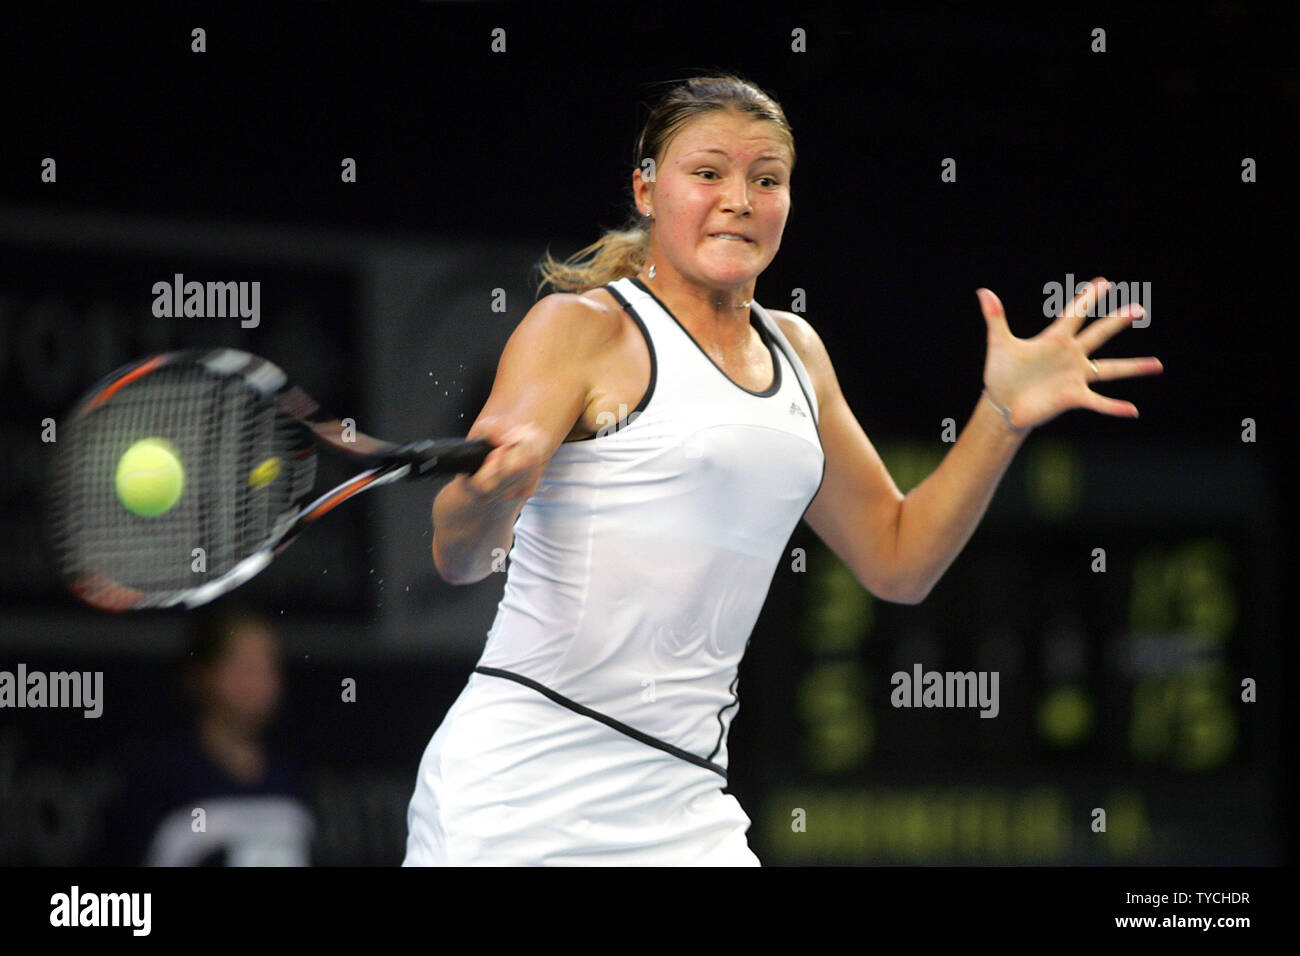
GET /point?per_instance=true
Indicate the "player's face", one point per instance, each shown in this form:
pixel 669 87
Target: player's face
pixel 722 172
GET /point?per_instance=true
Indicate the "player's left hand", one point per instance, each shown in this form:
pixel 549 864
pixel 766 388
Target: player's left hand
pixel 1038 378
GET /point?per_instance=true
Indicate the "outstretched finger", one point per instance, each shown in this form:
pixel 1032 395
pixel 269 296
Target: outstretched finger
pixel 1110 369
pixel 995 317
pixel 1073 315
pixel 1101 331
pixel 1110 406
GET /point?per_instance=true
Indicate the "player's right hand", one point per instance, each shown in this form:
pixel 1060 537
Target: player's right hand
pixel 513 469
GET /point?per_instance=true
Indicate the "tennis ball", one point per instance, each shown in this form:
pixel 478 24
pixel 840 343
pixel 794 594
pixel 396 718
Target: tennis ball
pixel 150 477
pixel 264 474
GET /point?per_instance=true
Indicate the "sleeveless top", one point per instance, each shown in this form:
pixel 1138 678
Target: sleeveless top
pixel 642 561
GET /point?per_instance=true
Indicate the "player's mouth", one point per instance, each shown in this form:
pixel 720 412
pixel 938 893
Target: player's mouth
pixel 730 237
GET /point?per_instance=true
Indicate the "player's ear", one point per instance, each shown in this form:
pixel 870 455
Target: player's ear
pixel 643 189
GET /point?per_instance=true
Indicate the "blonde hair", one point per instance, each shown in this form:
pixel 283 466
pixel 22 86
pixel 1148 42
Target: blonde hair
pixel 622 251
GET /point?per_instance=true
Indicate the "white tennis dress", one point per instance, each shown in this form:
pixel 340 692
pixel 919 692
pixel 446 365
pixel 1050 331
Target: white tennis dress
pixel 594 728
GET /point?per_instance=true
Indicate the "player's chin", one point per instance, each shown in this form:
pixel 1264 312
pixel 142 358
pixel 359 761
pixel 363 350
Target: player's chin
pixel 734 268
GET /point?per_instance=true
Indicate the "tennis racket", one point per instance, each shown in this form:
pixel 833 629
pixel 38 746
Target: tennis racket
pixel 245 440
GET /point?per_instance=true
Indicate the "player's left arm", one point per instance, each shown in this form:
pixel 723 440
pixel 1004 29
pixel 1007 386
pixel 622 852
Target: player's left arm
pixel 856 511
pixel 897 545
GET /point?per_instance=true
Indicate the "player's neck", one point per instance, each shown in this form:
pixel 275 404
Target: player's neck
pixel 715 315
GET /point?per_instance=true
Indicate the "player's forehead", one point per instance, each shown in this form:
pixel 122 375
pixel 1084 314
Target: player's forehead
pixel 729 136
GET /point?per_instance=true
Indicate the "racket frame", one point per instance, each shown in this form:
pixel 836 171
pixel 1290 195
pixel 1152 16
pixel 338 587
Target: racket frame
pixel 387 463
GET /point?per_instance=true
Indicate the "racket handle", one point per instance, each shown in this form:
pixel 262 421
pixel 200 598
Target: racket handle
pixel 445 457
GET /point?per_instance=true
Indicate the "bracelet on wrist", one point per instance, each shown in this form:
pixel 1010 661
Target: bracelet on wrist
pixel 1004 412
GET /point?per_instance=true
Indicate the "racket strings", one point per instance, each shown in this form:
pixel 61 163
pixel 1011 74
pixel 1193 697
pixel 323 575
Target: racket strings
pixel 244 469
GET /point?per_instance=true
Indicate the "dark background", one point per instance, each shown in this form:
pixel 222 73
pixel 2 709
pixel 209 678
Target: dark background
pixel 377 297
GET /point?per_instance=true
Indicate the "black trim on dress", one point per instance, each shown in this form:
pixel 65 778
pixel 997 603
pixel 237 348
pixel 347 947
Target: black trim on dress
pixel 654 367
pixel 753 321
pixel 603 718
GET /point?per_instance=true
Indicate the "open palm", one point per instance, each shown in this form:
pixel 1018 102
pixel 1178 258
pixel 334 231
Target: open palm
pixel 1037 379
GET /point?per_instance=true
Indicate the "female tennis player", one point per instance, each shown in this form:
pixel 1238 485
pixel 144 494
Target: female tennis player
pixel 661 434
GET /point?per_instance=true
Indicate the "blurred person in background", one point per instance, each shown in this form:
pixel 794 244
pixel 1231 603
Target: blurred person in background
pixel 217 793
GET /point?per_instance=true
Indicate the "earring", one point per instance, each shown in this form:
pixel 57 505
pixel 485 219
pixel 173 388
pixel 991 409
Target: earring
pixel 651 273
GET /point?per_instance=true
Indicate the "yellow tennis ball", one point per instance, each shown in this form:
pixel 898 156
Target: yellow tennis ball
pixel 264 474
pixel 150 477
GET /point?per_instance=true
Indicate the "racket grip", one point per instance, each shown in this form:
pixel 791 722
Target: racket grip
pixel 445 457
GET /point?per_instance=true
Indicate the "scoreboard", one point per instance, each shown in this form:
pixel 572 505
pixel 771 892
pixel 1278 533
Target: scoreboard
pixel 1116 610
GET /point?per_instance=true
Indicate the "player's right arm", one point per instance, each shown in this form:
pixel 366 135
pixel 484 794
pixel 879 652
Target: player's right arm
pixel 542 387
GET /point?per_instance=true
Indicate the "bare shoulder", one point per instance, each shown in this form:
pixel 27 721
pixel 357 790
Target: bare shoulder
pixel 811 350
pixel 585 321
pixel 797 329
pixel 598 304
